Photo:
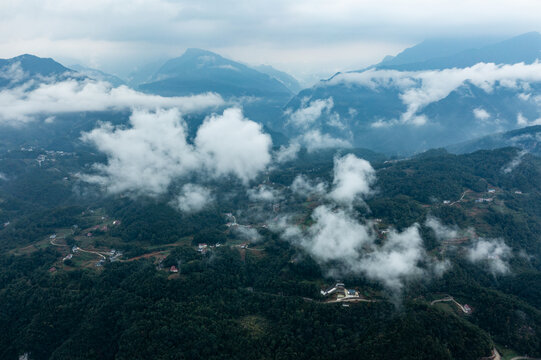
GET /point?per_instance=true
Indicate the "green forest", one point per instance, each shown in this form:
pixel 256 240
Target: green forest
pixel 262 300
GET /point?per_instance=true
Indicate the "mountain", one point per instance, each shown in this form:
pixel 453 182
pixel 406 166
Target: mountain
pixel 289 81
pixel 19 69
pixel 432 49
pixel 199 71
pixel 403 112
pixel 443 54
pixel 528 138
pixel 98 75
pixel 143 74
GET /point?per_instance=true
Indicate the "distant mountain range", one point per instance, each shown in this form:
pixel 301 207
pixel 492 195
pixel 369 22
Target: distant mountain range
pixel 20 69
pixel 406 104
pixel 458 53
pixel 197 71
pixel 528 138
pixel 431 95
pixel 98 75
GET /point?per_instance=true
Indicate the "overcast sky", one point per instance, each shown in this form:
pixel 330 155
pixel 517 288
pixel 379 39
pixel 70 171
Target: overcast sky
pixel 303 37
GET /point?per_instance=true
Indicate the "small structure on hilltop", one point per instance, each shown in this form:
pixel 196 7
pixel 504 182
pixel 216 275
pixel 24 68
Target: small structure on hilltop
pixel 173 269
pixel 202 247
pixel 340 292
pixel 338 289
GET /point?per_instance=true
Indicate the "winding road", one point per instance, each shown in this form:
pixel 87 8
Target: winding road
pixel 451 299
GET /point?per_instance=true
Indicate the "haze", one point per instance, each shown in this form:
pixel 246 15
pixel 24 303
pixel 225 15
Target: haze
pixel 310 39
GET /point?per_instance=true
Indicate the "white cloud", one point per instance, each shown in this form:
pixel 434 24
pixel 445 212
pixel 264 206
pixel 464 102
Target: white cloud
pixel 481 114
pixel 309 112
pixel 335 236
pixel 193 198
pixel 397 260
pixel 336 239
pixel 342 243
pixel 441 231
pixel 353 178
pixel 13 73
pixel 233 145
pixel 421 88
pixel 263 193
pixel 493 252
pixel 20 104
pixel 523 121
pixel 305 187
pixel 509 167
pixel 334 35
pixel 314 140
pixel 153 151
pixel 145 157
pixel 287 153
pixel 248 234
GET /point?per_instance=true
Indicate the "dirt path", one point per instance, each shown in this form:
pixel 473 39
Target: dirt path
pixel 451 299
pixel 349 300
pixel 52 242
pixel 55 244
pixel 461 198
pixel 92 252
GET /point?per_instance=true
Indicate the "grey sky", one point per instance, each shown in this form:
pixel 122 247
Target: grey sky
pixel 302 36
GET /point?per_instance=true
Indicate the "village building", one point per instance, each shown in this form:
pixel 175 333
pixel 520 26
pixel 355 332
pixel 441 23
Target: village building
pixel 173 269
pixel 202 247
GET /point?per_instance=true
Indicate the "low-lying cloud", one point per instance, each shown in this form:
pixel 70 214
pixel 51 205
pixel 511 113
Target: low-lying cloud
pixel 421 88
pixel 193 198
pixel 309 112
pixel 263 193
pixel 303 186
pixel 233 145
pixel 492 252
pixel 353 178
pixel 24 103
pixel 345 244
pixel 153 151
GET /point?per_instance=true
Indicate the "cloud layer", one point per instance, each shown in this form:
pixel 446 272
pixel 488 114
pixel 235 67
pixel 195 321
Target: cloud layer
pixel 23 103
pixel 147 156
pixel 193 198
pixel 333 35
pixel 420 88
pixel 345 244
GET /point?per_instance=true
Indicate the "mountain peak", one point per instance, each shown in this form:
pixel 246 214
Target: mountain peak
pixel 191 52
pixel 33 64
